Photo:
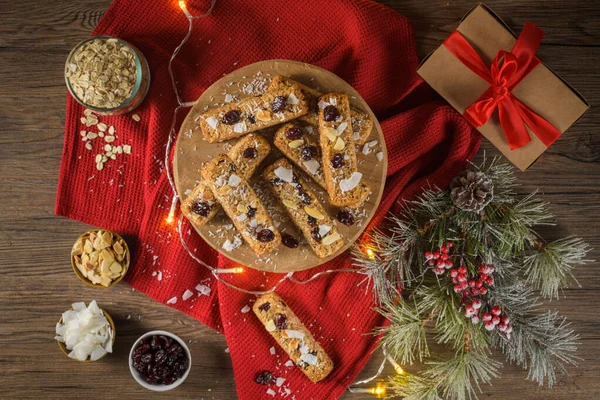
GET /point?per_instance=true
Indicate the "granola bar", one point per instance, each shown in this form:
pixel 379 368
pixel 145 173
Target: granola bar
pixel 293 337
pixel 253 113
pixel 303 207
pixel 345 185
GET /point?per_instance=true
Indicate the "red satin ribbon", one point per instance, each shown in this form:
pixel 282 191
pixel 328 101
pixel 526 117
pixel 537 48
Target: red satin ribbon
pixel 508 69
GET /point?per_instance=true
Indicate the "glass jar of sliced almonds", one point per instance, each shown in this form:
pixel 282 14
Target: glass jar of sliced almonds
pixel 100 258
pixel 107 75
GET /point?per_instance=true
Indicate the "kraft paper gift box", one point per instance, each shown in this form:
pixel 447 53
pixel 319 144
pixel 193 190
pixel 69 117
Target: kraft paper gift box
pixel 542 91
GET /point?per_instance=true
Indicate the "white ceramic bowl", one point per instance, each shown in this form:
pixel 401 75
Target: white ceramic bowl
pixel 140 379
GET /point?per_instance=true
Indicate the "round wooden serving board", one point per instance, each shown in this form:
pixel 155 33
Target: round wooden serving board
pixel 192 151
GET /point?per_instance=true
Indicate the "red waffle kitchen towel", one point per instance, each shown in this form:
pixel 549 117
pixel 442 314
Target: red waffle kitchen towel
pixel 371 47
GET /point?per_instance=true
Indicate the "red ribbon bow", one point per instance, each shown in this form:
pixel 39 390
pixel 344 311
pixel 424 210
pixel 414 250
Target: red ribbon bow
pixel 508 69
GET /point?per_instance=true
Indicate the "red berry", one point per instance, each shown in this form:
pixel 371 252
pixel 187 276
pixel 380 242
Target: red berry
pixel 449 264
pixel 471 283
pixel 508 328
pixel 431 262
pixel 462 278
pixel 476 304
pixel 454 280
pixel 474 291
pixel 463 285
pixel 469 311
pixel 428 255
pixel 490 281
pixel 490 269
pixel 496 310
pixel 444 249
pixel 501 327
pixel 482 268
pixel 462 269
pixel 487 317
pixel 505 319
pixel 457 288
pixel 496 320
pixel 449 244
pixel 475 319
pixel 482 290
pixel 436 254
pixel 444 257
pixel 478 283
pixel 483 276
pixel 454 273
pixel 489 326
pixel 439 271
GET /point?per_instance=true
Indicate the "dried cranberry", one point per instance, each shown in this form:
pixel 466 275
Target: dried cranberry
pixel 276 182
pixel 265 306
pixel 288 241
pixel 251 118
pixel 160 357
pixel 311 220
pixel 305 197
pixel 231 117
pixel 337 161
pixel 265 235
pixel 151 379
pixel 141 350
pixel 315 234
pixel 279 104
pixel 139 367
pixel 281 321
pixel 166 341
pixel 331 113
pixel 308 153
pixel 264 378
pixel 293 133
pixel 145 358
pixel 345 217
pixel 201 208
pixel 250 152
pixel 154 343
pixel 251 212
pixel 169 379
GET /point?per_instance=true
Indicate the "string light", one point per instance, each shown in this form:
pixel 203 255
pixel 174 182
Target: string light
pixel 380 389
pixel 396 366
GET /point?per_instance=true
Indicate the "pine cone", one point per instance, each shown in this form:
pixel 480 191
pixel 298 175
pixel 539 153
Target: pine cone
pixel 471 190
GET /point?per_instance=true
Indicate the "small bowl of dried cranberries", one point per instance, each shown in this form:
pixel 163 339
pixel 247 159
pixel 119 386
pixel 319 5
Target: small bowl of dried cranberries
pixel 160 361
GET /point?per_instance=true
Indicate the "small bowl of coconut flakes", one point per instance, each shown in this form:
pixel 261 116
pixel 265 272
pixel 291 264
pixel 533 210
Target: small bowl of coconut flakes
pixel 85 333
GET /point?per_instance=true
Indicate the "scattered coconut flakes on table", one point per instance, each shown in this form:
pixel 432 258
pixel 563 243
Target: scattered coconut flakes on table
pixel 187 294
pixel 203 289
pixel 245 309
pixel 272 350
pixel 172 300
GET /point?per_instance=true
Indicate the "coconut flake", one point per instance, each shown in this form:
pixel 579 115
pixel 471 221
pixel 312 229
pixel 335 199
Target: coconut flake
pixel 366 149
pixel 240 127
pixel 292 99
pixel 342 127
pixel 245 309
pixel 228 245
pixel 349 184
pixel 322 104
pixel 294 334
pixel 234 180
pixel 271 392
pixel 309 359
pixel 289 363
pixel 253 223
pixel 356 136
pixel 279 381
pixel 242 217
pixel 203 289
pixel 323 229
pixel 284 174
pixel 379 156
pixel 312 166
pixel 272 350
pixel 212 122
pixel 172 300
pixel 228 98
pixel 187 294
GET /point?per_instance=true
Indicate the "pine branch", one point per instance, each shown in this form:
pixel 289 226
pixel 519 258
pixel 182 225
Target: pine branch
pixel 405 336
pixel 544 343
pixel 460 376
pixel 550 268
pixel 413 387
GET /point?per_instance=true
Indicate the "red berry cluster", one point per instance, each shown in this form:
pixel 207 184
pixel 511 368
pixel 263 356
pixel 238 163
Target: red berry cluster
pixel 440 258
pixel 473 290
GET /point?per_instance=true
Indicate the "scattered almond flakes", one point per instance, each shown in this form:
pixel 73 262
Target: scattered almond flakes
pixel 136 117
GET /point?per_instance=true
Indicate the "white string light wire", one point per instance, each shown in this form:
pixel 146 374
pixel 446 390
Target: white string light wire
pixel 216 271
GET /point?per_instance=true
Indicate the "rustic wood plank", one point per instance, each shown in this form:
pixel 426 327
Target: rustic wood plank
pixel 35 38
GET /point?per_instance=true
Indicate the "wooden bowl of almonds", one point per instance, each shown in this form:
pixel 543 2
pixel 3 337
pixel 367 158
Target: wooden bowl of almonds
pixel 100 258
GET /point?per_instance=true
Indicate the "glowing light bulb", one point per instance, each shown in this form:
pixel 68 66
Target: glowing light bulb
pixel 396 366
pixel 171 217
pixel 379 391
pixel 370 254
pixel 184 9
pixel 235 270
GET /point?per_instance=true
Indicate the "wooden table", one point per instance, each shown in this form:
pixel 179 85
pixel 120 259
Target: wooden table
pixel 37 281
